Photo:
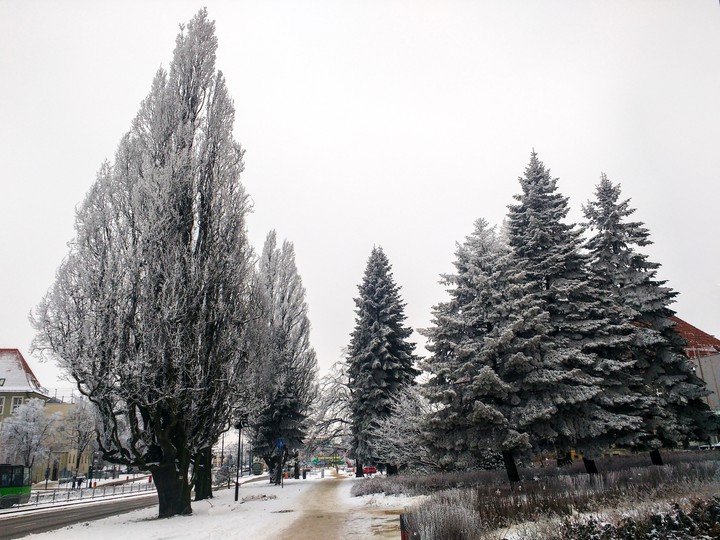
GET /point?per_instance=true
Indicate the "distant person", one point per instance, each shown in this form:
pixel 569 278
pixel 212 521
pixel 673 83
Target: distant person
pixel 74 482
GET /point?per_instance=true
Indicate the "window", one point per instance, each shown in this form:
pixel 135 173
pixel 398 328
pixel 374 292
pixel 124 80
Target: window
pixel 16 402
pixel 2 405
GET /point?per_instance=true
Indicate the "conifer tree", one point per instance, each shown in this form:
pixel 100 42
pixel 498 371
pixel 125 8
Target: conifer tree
pixel 285 364
pixel 380 359
pixel 672 408
pixel 562 346
pixel 466 427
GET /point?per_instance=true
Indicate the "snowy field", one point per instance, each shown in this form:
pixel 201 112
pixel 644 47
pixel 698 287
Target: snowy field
pixel 314 508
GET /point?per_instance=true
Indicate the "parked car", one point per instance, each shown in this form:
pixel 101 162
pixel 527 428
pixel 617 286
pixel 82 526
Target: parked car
pixel 369 470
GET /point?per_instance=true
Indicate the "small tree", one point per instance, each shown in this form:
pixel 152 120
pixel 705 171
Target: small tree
pixel 27 434
pixel 400 438
pixel 79 426
pixel 329 424
pixel 380 359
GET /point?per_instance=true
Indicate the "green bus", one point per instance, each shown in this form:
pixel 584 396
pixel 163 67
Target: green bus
pixel 14 485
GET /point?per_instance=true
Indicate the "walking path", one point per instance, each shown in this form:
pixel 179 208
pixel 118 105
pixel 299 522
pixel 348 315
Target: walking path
pixel 328 513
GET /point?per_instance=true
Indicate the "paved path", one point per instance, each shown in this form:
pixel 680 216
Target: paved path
pixel 324 516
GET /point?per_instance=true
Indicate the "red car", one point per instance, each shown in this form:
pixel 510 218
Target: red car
pixel 369 470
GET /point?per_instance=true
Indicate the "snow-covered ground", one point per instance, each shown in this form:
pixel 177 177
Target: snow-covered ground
pixel 315 508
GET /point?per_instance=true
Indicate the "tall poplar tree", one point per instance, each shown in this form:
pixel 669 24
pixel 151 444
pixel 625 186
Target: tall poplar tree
pixel 672 409
pixel 380 357
pixel 285 363
pixel 148 310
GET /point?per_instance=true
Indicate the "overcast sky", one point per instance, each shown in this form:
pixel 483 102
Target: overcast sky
pixel 392 123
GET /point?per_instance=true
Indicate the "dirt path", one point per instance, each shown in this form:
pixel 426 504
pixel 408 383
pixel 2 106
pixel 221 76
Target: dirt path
pixel 325 516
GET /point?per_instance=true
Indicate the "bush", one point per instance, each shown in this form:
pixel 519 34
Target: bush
pixel 701 522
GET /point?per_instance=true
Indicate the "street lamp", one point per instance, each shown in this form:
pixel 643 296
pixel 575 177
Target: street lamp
pixel 241 424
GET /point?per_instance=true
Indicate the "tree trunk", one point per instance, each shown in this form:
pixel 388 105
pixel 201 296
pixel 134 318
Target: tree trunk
pixel 358 469
pixel 203 475
pixel 510 466
pixel 173 490
pixel 656 457
pixel 391 469
pixel 590 466
pixel 564 459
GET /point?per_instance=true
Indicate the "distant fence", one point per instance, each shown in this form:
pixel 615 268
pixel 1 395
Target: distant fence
pixel 65 496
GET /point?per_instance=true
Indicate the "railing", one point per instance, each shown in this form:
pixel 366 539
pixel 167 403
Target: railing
pixel 74 496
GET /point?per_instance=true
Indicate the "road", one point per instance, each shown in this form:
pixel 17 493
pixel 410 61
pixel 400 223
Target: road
pixel 49 519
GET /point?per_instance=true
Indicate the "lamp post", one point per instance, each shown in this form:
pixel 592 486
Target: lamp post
pixel 242 423
pixel 238 426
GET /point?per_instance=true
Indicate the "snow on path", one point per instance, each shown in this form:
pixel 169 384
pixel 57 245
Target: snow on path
pixel 317 509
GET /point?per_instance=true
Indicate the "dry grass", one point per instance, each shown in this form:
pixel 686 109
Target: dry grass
pixel 481 503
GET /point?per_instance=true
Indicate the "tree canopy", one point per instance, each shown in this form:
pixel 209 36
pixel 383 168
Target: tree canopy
pixel 148 309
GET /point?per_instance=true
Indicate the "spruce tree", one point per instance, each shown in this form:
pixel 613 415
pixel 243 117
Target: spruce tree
pixel 672 409
pixel 465 427
pixel 380 357
pixel 568 346
pixel 285 364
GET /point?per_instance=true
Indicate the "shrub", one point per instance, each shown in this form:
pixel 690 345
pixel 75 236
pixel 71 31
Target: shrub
pixel 701 522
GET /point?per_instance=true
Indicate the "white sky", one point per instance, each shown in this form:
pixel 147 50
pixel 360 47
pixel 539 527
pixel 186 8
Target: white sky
pixel 395 123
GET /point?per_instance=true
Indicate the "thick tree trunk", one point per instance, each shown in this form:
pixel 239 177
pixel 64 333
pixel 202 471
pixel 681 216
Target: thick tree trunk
pixel 391 469
pixel 358 469
pixel 203 475
pixel 510 466
pixel 656 457
pixel 173 490
pixel 590 466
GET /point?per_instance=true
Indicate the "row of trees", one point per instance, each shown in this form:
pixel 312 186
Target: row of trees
pixel 29 435
pixel 551 340
pixel 160 312
pixel 176 332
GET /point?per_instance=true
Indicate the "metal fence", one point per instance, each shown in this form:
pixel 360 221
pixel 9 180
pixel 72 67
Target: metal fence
pixel 65 496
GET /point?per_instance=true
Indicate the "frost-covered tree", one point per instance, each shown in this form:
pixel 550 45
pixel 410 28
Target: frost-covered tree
pixel 465 424
pixel 148 309
pixel 564 341
pixel 380 357
pixel 330 414
pixel 672 407
pixel 27 434
pixel 79 427
pixel 284 361
pixel 400 438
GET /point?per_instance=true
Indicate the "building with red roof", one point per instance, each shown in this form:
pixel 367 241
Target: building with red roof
pixel 18 383
pixel 703 350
